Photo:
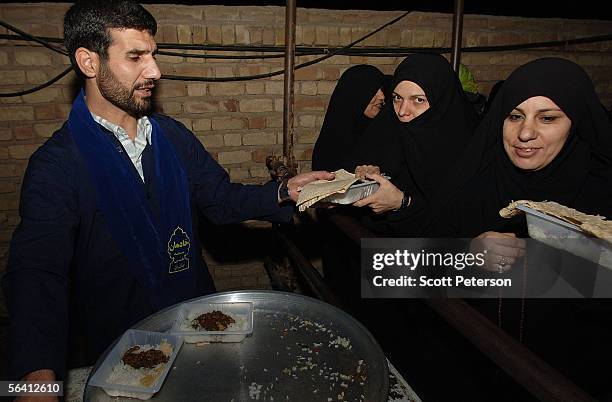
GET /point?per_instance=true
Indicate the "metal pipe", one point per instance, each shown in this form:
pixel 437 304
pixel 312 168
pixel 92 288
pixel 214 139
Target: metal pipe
pixel 533 373
pixel 457 33
pixel 527 369
pixel 309 274
pixel 289 80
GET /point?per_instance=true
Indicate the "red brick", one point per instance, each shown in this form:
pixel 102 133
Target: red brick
pixel 46 130
pixel 44 112
pixel 23 132
pixel 49 94
pixel 213 34
pixel 228 36
pixel 259 139
pixel 226 88
pixel 7 187
pixel 16 113
pixel 5 134
pixel 171 89
pixel 228 123
pixel 232 140
pixel 11 170
pixel 310 103
pixel 211 141
pixel 234 157
pixel 168 33
pixel 22 151
pixel 257 122
pixel 8 202
pixel 237 174
pixel 201 124
pixel 184 34
pixel 230 105
pixel 62 111
pixel 201 106
pixel 306 74
pixel 260 155
pixel 256 105
pixel 12 77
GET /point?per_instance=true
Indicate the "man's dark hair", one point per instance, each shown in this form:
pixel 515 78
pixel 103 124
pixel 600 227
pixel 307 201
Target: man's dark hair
pixel 87 24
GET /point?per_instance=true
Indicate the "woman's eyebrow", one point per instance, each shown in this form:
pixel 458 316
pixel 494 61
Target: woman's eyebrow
pixel 518 109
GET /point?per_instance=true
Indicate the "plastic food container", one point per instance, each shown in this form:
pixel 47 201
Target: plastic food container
pixel 565 236
pixel 354 193
pixel 103 377
pixel 241 312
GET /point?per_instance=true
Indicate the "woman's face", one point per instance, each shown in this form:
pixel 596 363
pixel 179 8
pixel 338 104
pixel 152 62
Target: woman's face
pixel 409 101
pixel 535 132
pixel 377 102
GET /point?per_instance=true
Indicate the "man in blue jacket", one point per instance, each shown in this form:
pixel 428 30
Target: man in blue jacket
pixel 110 203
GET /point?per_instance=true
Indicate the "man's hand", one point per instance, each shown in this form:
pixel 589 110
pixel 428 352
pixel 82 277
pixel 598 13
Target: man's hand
pixel 502 250
pixel 296 183
pixel 362 170
pixel 38 376
pixel 387 198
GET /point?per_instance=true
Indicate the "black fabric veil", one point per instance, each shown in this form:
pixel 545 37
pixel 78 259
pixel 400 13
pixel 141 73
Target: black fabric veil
pixel 424 147
pixel 344 121
pixel 580 176
pixel 417 155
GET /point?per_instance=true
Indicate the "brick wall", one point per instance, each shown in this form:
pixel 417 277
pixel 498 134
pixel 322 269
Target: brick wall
pixel 240 123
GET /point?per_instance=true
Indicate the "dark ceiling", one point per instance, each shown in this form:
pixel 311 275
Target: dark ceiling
pixel 583 9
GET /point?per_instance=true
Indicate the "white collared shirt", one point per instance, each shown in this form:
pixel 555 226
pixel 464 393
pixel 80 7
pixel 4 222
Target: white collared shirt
pixel 133 148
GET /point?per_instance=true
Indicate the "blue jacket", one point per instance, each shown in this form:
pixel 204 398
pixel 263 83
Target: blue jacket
pixel 66 281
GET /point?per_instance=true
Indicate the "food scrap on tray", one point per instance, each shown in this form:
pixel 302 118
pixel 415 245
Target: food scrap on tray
pixel 213 321
pixel 141 365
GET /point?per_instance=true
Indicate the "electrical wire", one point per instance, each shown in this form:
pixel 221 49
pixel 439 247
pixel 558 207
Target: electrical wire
pixel 279 53
pixel 362 51
pixel 32 38
pixel 279 72
pixel 220 56
pixel 38 88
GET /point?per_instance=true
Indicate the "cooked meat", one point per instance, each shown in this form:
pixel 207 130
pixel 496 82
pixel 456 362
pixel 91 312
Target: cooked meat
pixel 213 321
pixel 147 359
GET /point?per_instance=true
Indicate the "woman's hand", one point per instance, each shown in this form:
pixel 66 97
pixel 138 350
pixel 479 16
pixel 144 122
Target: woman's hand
pixel 501 250
pixel 362 170
pixel 387 198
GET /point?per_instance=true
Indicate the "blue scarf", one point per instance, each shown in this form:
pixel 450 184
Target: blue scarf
pixel 160 251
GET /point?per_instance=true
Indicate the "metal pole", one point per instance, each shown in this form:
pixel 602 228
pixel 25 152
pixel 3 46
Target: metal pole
pixel 312 278
pixel 538 377
pixel 457 33
pixel 289 79
pixel 533 373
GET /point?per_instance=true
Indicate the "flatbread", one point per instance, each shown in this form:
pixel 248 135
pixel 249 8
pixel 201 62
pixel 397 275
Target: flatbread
pixel 317 190
pixel 594 225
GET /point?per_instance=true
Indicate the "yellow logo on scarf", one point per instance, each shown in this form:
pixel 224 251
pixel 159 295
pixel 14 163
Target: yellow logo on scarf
pixel 178 250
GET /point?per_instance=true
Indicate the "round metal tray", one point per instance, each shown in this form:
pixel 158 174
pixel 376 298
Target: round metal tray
pixel 301 349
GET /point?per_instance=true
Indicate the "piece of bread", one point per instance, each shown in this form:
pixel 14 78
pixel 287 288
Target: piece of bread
pixel 594 225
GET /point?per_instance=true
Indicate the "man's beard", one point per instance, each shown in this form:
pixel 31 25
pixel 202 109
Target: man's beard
pixel 120 96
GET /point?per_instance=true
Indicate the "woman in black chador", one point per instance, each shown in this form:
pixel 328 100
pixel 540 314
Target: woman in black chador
pixel 356 100
pixel 547 137
pixel 416 140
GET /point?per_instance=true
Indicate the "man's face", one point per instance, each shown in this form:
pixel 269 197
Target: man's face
pixel 127 78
